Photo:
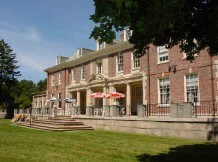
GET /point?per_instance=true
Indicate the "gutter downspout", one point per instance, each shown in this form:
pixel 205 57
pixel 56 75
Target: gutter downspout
pixel 212 85
pixel 149 83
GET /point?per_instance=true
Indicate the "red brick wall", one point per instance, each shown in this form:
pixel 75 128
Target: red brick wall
pixel 112 65
pixel 200 66
pixel 127 62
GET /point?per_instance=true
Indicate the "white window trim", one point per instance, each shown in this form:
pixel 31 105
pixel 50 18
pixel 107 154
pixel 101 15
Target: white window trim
pixel 52 80
pixel 97 68
pixel 184 55
pixel 158 57
pixel 59 101
pixel 121 71
pixel 132 62
pixel 185 89
pixel 73 78
pixel 125 35
pixel 83 66
pixel 100 46
pixel 158 88
pixel 60 77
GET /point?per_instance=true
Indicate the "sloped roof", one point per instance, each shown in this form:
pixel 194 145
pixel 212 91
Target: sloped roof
pixel 91 56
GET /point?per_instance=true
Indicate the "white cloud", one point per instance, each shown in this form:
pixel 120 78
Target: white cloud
pixel 26 34
pixel 34 52
pixel 29 47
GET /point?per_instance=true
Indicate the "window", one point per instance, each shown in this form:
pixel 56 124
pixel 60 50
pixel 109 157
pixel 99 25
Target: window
pixel 120 62
pixel 40 104
pixel 101 46
pixel 99 68
pixel 59 102
pixel 128 34
pixel 83 72
pixel 60 78
pixel 194 49
pixel 164 91
pixel 162 54
pixel 136 62
pixel 52 80
pixel 192 94
pixel 80 52
pixel 73 73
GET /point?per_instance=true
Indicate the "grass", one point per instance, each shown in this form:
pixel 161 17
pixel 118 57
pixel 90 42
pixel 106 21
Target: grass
pixel 23 144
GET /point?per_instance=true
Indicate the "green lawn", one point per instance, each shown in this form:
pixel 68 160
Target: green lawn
pixel 23 144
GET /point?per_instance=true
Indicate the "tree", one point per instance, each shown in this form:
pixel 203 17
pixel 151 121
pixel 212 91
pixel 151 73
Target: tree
pixel 23 93
pixel 193 24
pixel 8 76
pixel 41 85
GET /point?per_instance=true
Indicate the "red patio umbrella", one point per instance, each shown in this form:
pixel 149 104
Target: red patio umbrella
pixel 115 95
pixel 98 95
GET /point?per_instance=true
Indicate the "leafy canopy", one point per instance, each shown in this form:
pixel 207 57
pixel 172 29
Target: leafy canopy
pixel 193 24
pixel 8 73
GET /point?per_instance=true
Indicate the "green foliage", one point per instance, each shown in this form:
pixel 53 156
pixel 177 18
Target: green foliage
pixel 8 76
pixel 23 93
pixel 193 24
pixel 41 85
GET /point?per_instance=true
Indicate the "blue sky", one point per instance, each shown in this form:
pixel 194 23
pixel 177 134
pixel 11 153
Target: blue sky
pixel 40 30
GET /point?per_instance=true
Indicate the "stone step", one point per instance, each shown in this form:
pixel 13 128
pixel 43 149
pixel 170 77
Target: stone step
pixel 61 122
pixel 55 124
pixel 54 128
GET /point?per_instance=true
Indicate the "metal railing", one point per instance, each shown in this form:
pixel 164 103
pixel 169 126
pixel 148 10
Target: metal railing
pixel 157 110
pixel 205 108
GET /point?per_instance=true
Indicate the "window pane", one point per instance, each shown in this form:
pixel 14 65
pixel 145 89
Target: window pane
pixel 192 88
pixel 164 90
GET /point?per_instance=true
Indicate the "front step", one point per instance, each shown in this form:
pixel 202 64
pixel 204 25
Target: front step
pixel 55 124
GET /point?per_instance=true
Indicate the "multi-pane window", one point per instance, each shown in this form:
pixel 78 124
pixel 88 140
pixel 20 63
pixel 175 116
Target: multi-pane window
pixel 59 102
pixel 52 80
pixel 73 73
pixel 60 77
pixel 128 34
pixel 99 68
pixel 136 61
pixel 120 62
pixel 101 46
pixel 192 93
pixel 80 52
pixel 164 91
pixel 83 72
pixel 162 54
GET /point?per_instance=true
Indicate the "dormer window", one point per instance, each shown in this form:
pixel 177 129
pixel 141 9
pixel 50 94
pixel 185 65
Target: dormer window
pixel 127 34
pixel 79 53
pixel 100 46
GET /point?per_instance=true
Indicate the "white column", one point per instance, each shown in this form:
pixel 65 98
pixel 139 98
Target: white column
pixel 78 101
pixel 105 100
pixel 88 98
pixel 144 101
pixel 128 99
pixel 112 101
pixel 88 102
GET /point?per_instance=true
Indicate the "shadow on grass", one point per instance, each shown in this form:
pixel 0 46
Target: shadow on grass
pixel 192 153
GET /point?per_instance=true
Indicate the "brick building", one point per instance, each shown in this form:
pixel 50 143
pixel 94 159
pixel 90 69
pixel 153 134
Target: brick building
pixel 161 77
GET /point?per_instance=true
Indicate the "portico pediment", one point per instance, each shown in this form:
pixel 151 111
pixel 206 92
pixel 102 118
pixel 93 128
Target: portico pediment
pixel 96 77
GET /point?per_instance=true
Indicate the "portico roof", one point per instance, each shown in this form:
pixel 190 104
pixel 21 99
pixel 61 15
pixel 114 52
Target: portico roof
pixel 93 55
